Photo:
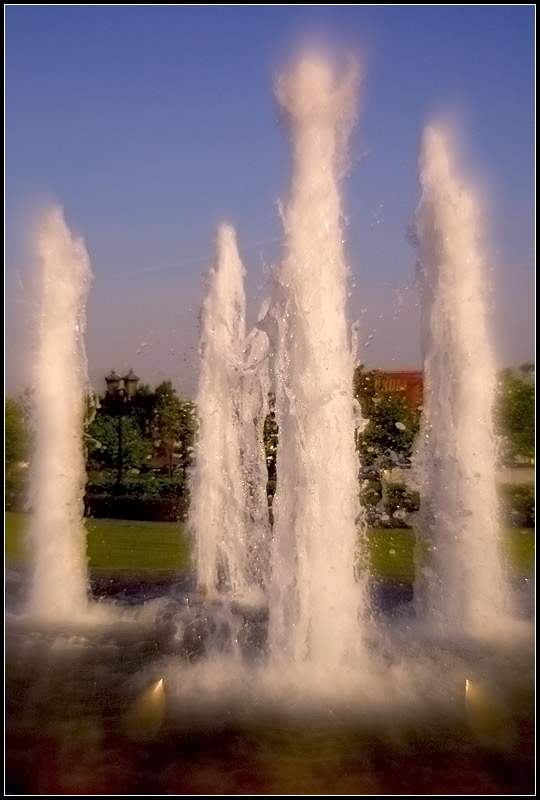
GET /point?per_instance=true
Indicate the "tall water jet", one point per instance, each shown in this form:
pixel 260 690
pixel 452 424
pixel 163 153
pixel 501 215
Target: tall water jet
pixel 227 512
pixel 461 585
pixel 316 601
pixel 57 537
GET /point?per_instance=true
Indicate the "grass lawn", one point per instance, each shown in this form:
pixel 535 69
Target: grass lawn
pixel 132 546
pixel 117 545
pixel 391 552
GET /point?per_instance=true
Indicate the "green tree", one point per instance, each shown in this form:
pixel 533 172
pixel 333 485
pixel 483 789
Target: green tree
pixel 388 436
pixel 187 437
pixel 17 443
pixel 141 409
pixel 364 389
pixel 514 412
pixel 103 442
pixel 391 426
pixel 173 427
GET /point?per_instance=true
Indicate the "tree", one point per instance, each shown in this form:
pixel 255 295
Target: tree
pixel 388 436
pixel 364 389
pixel 173 427
pixel 103 443
pixel 141 409
pixel 514 412
pixel 185 443
pixel 392 424
pixel 102 432
pixel 153 423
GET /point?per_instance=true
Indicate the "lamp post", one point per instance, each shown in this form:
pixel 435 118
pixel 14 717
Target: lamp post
pixel 122 390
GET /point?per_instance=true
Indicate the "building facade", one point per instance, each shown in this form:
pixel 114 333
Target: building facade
pixel 409 383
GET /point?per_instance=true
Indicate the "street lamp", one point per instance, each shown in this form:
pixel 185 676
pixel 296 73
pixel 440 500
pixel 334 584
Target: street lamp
pixel 122 390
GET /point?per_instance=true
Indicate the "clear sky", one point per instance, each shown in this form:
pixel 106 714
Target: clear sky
pixel 151 125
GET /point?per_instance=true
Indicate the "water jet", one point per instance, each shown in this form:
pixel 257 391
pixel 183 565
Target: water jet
pixel 59 587
pixel 462 587
pixel 278 678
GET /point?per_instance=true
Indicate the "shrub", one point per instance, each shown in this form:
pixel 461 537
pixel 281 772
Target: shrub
pixel 136 485
pixel 370 493
pixel 143 508
pixel 388 505
pixel 154 498
pixel 400 501
pixel 15 488
pixel 517 504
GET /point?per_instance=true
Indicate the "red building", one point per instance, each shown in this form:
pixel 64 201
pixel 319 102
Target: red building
pixel 410 383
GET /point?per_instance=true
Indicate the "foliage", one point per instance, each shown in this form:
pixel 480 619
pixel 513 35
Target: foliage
pixel 17 443
pixel 147 496
pixel 270 436
pixel 391 504
pixel 364 389
pixel 388 504
pixel 518 504
pixel 370 493
pixel 92 405
pixel 103 443
pixel 144 484
pixel 16 434
pixel 400 501
pixel 515 413
pixel 173 427
pixel 141 409
pixel 388 437
pixel 155 425
pixel 151 507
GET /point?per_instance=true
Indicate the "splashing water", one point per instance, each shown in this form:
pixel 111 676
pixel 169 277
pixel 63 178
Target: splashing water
pixel 306 567
pixel 227 490
pixel 461 587
pixel 316 602
pixel 58 590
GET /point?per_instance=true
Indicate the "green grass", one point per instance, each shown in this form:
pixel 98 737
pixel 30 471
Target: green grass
pixel 164 547
pixel 391 552
pixel 116 545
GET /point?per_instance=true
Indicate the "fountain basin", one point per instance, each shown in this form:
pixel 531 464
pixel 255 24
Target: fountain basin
pixel 229 726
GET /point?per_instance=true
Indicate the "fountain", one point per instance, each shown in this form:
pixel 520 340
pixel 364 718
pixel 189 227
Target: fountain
pixel 228 486
pixel 278 675
pixel 461 587
pixel 59 587
pixel 316 506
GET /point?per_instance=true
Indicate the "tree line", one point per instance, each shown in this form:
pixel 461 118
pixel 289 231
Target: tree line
pixel 146 446
pixel 153 431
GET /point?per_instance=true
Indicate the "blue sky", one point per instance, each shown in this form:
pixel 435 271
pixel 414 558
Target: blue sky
pixel 151 125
